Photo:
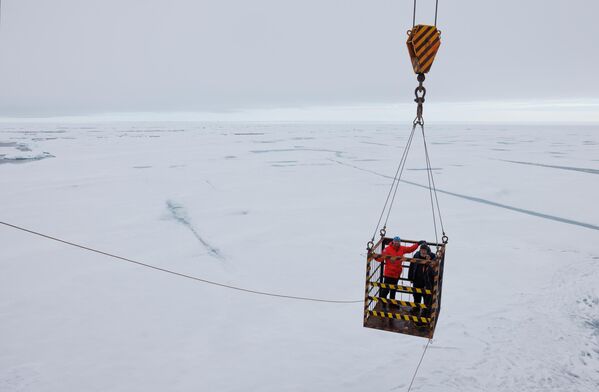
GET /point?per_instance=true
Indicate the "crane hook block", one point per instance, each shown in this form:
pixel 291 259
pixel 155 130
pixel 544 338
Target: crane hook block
pixel 423 43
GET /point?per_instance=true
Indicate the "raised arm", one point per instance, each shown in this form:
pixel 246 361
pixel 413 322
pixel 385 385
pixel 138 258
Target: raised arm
pixel 410 249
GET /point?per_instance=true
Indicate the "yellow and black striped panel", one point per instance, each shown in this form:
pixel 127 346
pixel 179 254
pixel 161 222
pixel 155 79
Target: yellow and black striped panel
pixel 405 289
pixel 399 316
pixel 397 302
pixel 423 43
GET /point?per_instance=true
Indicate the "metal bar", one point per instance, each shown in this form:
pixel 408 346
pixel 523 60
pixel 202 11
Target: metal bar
pixel 379 242
pixel 375 270
pixel 399 302
pixel 402 289
pixel 399 316
pixel 371 253
pixel 415 242
pixel 402 258
pixel 381 278
pixel 366 291
pixel 438 291
pixel 436 304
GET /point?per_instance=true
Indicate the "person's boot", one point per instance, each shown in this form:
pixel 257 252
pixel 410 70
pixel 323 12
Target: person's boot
pixel 383 306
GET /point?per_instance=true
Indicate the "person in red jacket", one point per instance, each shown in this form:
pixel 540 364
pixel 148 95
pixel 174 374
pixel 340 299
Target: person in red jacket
pixel 392 268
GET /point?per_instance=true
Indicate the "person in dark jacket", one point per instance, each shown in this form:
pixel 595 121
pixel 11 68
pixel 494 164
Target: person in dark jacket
pixel 423 277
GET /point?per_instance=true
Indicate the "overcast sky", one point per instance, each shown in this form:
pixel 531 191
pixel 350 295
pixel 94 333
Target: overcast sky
pixel 78 57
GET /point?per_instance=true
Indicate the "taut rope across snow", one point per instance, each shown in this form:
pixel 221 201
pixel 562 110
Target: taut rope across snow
pixel 419 363
pixel 285 296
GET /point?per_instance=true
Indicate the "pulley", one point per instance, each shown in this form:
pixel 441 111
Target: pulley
pixel 423 43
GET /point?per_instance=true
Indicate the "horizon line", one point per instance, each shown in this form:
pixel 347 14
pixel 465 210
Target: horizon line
pixel 577 111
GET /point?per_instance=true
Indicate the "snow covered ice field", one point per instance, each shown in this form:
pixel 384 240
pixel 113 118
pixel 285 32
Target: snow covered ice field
pixel 288 208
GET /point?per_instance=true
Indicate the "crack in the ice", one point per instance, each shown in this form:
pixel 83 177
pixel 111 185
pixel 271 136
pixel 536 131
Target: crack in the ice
pixel 297 149
pixel 211 185
pixel 578 169
pixel 180 215
pixel 484 201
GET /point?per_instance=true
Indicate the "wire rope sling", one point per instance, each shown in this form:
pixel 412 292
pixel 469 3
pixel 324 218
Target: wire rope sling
pixel 389 269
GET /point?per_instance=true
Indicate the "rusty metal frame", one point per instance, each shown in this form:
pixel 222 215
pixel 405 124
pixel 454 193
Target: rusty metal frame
pixel 374 273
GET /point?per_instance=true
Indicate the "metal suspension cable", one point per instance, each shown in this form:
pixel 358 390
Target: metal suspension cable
pixel 433 182
pixel 400 173
pixel 414 13
pixel 429 175
pixel 396 178
pixel 418 367
pixel 195 278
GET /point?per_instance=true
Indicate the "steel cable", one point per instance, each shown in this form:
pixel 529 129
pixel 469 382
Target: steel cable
pixel 419 363
pixel 414 13
pixel 403 165
pixel 395 180
pixel 428 160
pixel 429 175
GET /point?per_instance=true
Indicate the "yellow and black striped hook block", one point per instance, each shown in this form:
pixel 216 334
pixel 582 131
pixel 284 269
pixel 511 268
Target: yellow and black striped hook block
pixel 423 43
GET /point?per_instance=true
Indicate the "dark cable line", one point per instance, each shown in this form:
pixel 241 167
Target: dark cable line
pixel 414 16
pixel 419 363
pixel 390 200
pixel 403 165
pixel 428 160
pixel 429 174
pixel 178 273
pixel 414 13
pixel 395 178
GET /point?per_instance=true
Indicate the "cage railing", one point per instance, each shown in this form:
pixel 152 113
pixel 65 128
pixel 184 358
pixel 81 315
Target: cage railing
pixel 404 288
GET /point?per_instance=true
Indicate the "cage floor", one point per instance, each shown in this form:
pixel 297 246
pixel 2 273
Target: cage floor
pixel 398 326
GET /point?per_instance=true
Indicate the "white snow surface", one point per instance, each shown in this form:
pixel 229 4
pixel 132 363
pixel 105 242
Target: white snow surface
pixel 288 208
